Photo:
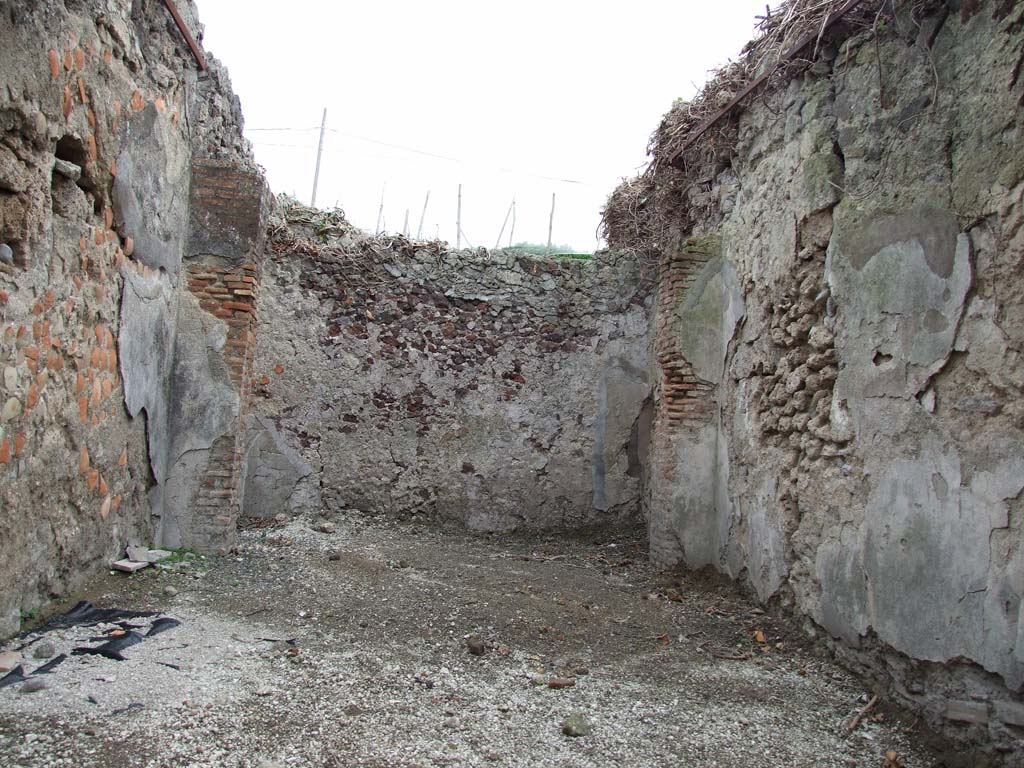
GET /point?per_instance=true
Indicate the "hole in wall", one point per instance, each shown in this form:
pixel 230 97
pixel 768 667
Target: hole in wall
pixel 13 252
pixel 638 448
pixel 881 358
pixel 72 149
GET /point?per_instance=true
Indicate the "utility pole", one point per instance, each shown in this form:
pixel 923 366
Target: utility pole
pixel 458 223
pixel 319 152
pixel 497 243
pixel 380 211
pixel 405 227
pixel 423 215
pixel 551 224
pixel 513 230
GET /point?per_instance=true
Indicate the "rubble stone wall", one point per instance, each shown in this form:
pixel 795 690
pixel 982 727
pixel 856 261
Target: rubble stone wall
pixel 102 114
pixel 488 387
pixel 859 322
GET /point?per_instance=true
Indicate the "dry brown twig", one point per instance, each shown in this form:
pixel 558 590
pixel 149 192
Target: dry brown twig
pixel 860 716
pixel 777 33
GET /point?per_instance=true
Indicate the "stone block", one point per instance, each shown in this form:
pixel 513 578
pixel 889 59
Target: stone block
pixel 975 712
pixel 128 566
pixel 1009 712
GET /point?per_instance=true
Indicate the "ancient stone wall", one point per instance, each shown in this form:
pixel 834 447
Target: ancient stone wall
pixel 493 388
pixel 103 116
pixel 850 288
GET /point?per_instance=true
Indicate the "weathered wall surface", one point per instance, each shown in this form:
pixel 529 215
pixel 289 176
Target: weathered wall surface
pixel 102 117
pixel 492 388
pixel 838 412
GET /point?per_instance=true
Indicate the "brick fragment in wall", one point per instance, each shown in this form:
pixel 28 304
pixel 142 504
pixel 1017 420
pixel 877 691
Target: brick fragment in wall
pixel 683 400
pixel 228 209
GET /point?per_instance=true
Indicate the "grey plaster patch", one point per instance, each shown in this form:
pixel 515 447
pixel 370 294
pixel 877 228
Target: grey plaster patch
pixel 712 308
pixel 149 308
pixel 988 348
pixel 204 407
pixel 934 230
pixel 273 472
pixel 765 538
pixel 700 514
pixel 698 519
pixel 900 289
pixel 843 608
pixel 622 390
pixel 150 191
pixel 925 549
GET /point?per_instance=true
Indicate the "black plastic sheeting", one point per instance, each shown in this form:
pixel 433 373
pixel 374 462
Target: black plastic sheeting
pixel 86 614
pixel 51 665
pixel 16 675
pixel 112 648
pixel 162 625
pixel 111 645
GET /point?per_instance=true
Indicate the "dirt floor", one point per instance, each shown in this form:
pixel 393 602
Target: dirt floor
pixel 396 644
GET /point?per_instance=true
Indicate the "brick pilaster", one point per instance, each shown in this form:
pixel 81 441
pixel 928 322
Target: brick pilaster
pixel 228 210
pixel 683 401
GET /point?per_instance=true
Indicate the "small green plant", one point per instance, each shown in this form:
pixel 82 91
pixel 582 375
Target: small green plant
pixel 179 555
pixel 29 615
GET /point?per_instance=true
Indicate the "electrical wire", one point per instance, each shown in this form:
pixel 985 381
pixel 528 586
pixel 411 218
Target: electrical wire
pixel 424 153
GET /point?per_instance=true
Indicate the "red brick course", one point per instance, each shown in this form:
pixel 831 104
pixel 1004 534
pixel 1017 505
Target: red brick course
pixel 683 400
pixel 229 294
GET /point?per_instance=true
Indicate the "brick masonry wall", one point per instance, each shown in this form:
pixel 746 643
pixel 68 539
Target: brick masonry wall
pixel 213 358
pixel 227 210
pixel 94 205
pixel 60 367
pixel 74 467
pixel 683 401
pixel 866 465
pixel 229 294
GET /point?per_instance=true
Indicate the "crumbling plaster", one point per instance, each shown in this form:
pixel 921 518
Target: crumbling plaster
pixel 490 388
pixel 871 415
pixel 102 116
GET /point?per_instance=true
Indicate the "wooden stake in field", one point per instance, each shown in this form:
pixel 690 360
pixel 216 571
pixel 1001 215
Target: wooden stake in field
pixel 497 243
pixel 458 222
pixel 513 230
pixel 319 152
pixel 551 225
pixel 380 211
pixel 423 215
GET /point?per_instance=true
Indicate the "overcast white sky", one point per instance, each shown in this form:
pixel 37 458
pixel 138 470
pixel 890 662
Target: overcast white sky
pixel 518 100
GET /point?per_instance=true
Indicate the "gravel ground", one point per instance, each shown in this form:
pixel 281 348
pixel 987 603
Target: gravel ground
pixel 396 644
